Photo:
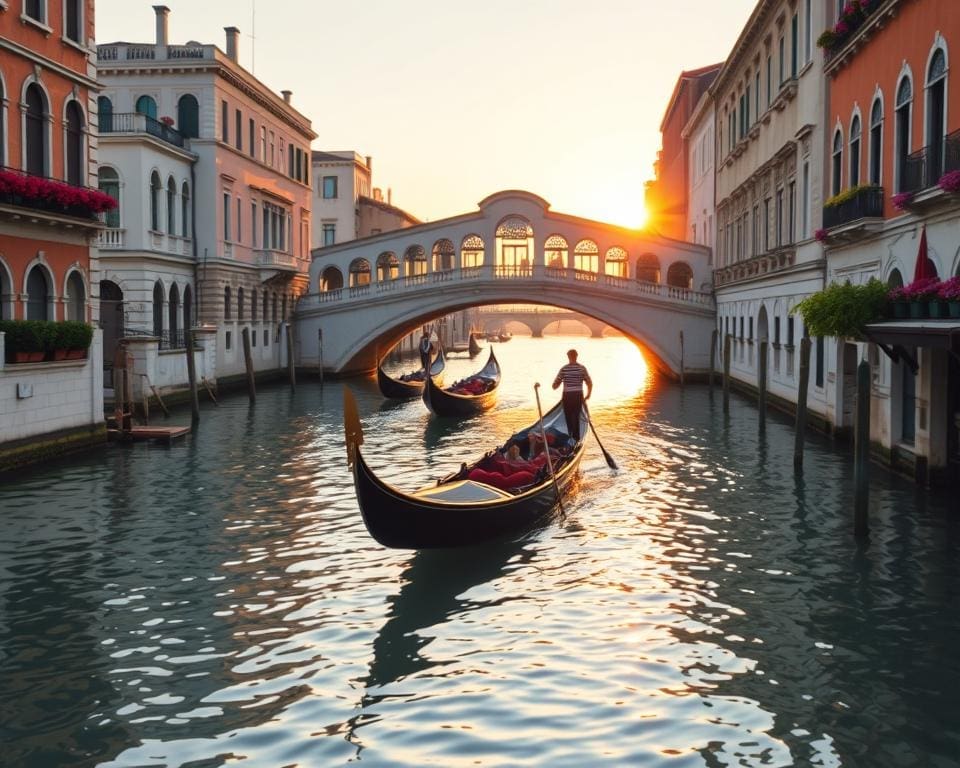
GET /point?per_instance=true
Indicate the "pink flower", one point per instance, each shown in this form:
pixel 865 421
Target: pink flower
pixel 924 288
pixel 950 289
pixel 897 294
pixel 841 29
pixel 820 235
pixel 950 182
pixel 902 200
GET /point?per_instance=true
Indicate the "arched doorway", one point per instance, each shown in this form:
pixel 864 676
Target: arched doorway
pixel 111 320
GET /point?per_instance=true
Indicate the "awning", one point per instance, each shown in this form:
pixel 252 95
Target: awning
pixel 897 337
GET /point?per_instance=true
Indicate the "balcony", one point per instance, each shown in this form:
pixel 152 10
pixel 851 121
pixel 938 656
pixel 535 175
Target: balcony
pixel 862 211
pixel 135 123
pixel 51 200
pixel 137 52
pixel 272 259
pixel 110 239
pixel 923 169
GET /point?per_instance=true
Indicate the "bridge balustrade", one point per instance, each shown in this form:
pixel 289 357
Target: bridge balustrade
pixel 359 290
pixel 584 276
pixel 329 296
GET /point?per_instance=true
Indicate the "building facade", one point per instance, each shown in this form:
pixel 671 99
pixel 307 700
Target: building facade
pixel 893 136
pixel 48 156
pixel 769 105
pixel 235 235
pixel 699 135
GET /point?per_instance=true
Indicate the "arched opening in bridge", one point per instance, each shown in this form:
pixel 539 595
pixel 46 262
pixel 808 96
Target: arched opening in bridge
pixel 331 279
pixel 388 266
pixel 680 275
pixel 586 257
pixel 648 268
pixel 471 252
pixel 514 247
pixel 414 261
pixel 359 273
pixel 616 262
pixel 556 252
pixel 443 255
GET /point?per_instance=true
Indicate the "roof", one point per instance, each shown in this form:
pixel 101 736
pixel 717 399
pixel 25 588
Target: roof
pixel 687 76
pixel 364 200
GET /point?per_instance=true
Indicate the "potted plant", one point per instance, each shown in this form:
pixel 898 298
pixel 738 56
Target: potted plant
pixel 842 310
pixel 899 303
pixel 950 182
pixel 919 293
pixel 26 340
pixel 950 293
pixel 76 337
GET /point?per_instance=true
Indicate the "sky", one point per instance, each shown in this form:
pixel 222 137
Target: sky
pixel 456 100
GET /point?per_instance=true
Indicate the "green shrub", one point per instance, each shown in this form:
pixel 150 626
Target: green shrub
pixel 842 310
pixel 73 335
pixel 25 335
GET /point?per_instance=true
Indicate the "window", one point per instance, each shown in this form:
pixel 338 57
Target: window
pixel 272 147
pixel 807 31
pixel 263 144
pixel 274 222
pixel 779 222
pixel 876 140
pixel 253 224
pixel 158 309
pixel 253 306
pixel 227 307
pixel 75 174
pixel 855 151
pixel 782 60
pixel 147 106
pixel 76 298
pixel 329 187
pixel 36 9
pixel 789 330
pixel 769 80
pixel 188 116
pixel 756 93
pixel 794 44
pixel 104 114
pixel 224 122
pixel 741 328
pixel 290 161
pixel 936 115
pixel 226 217
pixel 36 131
pixel 185 211
pixel 173 312
pixel 766 224
pixel 903 109
pixel 240 303
pixel 239 220
pixel 155 187
pixel 73 22
pixel 253 139
pixel 750 329
pixel 836 180
pixel 171 206
pixel 238 116
pixel 109 184
pixel 792 208
pixel 38 294
pixel 329 234
pixel 776 331
pixel 228 340
pixel 805 209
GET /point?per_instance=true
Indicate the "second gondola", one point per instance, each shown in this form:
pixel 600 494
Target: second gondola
pixel 411 384
pixel 475 394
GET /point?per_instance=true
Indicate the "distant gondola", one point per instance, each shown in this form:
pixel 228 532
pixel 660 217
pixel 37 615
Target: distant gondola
pixel 473 346
pixel 449 402
pixel 458 511
pixel 505 336
pixel 398 389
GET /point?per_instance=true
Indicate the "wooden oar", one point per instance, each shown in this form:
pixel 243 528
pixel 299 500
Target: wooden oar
pixel 546 449
pixel 609 459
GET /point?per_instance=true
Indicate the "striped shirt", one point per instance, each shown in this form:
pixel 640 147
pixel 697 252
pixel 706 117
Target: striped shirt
pixel 573 375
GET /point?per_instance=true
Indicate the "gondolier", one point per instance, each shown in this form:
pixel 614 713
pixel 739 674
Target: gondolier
pixel 425 349
pixel 573 376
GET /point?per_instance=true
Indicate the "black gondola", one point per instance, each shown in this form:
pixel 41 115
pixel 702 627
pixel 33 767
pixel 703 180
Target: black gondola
pixel 446 402
pixel 398 389
pixel 473 346
pixel 458 511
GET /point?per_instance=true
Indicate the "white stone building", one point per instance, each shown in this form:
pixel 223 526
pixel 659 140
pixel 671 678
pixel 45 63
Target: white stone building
pixel 699 135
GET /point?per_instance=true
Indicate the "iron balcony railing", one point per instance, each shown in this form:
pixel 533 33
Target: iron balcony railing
pixel 30 190
pixel 924 168
pixel 134 122
pixel 866 203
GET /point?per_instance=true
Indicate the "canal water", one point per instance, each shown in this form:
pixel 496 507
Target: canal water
pixel 219 602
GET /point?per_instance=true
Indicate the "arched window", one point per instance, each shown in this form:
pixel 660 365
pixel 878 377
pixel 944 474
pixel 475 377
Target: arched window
pixel 388 266
pixel 185 210
pixel 331 280
pixel 253 306
pixel 876 140
pixel 240 304
pixel 648 268
pixel 556 252
pixel 443 255
pixel 514 245
pixel 586 256
pixel 471 252
pixel 896 279
pixel 104 115
pixel 174 313
pixel 680 275
pixel 75 174
pixel 36 134
pixel 188 116
pixel 855 151
pixel 904 104
pixel 147 106
pixel 414 261
pixel 158 309
pixel 360 273
pixel 38 294
pixel 227 304
pixel 936 114
pixel 836 180
pixel 187 307
pixel 616 262
pixel 171 206
pixel 76 298
pixel 109 184
pixel 155 187
pixel 5 292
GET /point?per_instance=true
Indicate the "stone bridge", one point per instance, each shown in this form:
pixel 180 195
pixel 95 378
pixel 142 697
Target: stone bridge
pixel 537 319
pixel 367 294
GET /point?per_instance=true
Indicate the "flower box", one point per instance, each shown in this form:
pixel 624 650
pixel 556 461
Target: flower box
pixel 901 309
pixel 42 194
pixel 953 309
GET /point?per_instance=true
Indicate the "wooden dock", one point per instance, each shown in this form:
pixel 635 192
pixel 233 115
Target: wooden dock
pixel 140 434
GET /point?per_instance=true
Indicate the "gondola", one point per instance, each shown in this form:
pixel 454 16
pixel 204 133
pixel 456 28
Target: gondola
pixel 401 390
pixel 473 346
pixel 458 511
pixel 505 336
pixel 446 402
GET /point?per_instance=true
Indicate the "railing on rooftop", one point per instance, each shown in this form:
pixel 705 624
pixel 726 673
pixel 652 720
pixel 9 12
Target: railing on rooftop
pixel 134 122
pixel 144 52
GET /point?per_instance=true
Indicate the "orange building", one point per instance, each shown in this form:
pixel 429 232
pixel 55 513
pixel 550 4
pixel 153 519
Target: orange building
pixel 893 176
pixel 47 214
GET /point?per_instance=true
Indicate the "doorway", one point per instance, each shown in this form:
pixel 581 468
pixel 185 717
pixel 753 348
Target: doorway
pixel 111 320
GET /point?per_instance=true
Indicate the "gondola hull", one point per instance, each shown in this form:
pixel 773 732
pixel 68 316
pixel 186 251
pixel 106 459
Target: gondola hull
pixel 449 404
pixel 396 389
pixel 473 346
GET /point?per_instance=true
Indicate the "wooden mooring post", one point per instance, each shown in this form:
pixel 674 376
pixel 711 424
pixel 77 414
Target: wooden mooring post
pixel 762 384
pixel 726 373
pixel 320 347
pixel 714 336
pixel 291 367
pixel 683 376
pixel 248 361
pixel 192 377
pixel 861 466
pixel 803 385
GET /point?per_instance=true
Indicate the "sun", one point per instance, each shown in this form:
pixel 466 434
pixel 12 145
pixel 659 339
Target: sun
pixel 625 211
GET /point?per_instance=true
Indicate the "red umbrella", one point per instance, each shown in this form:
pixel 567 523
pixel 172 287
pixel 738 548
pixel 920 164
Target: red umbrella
pixel 924 268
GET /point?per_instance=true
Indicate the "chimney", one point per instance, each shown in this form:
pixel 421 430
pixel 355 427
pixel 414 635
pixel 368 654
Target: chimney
pixel 377 194
pixel 370 163
pixel 287 95
pixel 233 42
pixel 389 196
pixel 162 24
